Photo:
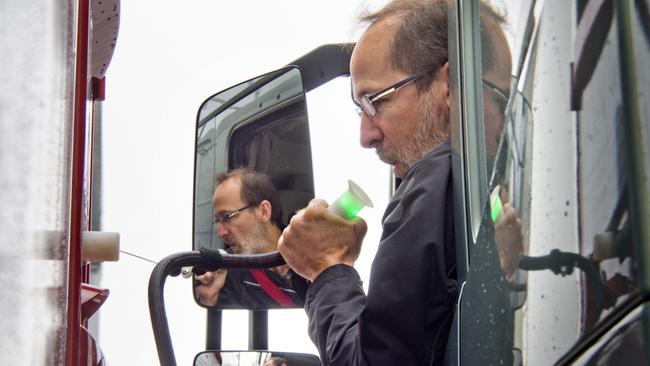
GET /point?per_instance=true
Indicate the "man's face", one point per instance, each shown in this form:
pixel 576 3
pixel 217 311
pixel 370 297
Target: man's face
pixel 498 73
pixel 493 116
pixel 244 232
pixel 408 123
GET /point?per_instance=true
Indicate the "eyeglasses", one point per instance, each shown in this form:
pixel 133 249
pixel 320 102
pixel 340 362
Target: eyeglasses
pixel 367 103
pixel 225 218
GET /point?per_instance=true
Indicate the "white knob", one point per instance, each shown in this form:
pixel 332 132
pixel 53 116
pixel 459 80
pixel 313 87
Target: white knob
pixel 100 246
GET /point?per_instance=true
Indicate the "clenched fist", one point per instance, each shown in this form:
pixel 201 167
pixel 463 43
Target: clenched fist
pixel 317 239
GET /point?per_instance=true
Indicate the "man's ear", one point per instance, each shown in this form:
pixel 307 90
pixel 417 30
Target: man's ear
pixel 266 210
pixel 439 87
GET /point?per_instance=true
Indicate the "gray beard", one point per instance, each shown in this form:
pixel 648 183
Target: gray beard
pixel 254 242
pixel 428 132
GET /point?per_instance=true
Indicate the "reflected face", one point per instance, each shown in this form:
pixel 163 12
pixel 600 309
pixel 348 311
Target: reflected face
pixel 407 123
pixel 498 73
pixel 244 233
pixel 493 118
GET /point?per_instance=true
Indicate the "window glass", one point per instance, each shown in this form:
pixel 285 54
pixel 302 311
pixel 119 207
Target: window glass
pixel 554 256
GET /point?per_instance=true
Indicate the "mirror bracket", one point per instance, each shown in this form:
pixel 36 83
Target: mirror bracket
pixel 324 63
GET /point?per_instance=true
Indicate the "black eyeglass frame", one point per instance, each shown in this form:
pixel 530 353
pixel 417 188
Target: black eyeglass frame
pixel 226 217
pixel 502 94
pixel 365 105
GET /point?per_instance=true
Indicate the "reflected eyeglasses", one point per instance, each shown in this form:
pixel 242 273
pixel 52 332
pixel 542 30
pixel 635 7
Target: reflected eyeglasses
pixel 225 218
pixel 367 103
pixel 502 95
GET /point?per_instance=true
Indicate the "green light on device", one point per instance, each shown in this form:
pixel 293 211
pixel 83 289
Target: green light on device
pixel 350 202
pixel 349 206
pixel 495 205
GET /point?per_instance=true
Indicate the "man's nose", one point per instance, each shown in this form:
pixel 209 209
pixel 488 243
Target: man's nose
pixel 370 133
pixel 221 230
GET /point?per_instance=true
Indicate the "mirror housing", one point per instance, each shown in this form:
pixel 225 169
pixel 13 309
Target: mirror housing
pixel 259 124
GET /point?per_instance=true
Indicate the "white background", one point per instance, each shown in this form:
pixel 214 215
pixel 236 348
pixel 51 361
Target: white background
pixel 170 56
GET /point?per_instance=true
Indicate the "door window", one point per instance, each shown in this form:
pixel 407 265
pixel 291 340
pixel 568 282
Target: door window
pixel 554 255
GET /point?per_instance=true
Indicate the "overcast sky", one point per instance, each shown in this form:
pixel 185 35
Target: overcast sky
pixel 169 57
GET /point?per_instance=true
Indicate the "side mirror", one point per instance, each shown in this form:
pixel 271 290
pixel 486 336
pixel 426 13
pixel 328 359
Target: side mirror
pixel 260 124
pixel 252 358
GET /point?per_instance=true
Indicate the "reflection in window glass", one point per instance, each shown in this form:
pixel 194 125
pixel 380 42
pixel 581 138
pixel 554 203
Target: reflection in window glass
pixel 554 255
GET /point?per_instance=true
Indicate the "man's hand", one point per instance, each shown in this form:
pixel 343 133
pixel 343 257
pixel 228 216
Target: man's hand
pixel 317 239
pixel 210 285
pixel 509 240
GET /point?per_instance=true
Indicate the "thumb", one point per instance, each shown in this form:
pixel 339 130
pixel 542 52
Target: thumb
pixel 318 203
pixel 360 228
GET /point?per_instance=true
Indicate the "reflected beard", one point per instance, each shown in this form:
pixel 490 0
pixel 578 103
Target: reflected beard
pixel 253 242
pixel 429 131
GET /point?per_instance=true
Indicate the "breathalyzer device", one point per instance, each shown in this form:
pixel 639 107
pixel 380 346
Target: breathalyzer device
pixel 348 204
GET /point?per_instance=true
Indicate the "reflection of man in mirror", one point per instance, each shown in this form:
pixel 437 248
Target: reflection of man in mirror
pixel 276 361
pixel 497 71
pixel 247 215
pixel 399 73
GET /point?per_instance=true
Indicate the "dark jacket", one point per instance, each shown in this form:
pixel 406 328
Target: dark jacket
pixel 406 316
pixel 242 290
